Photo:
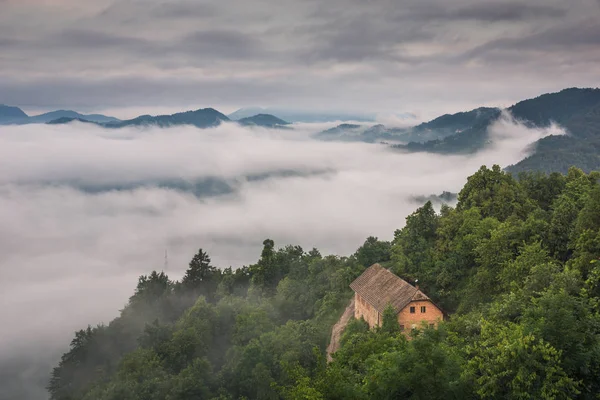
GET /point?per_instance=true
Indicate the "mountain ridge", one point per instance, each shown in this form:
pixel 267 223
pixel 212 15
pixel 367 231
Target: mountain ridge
pixel 200 118
pixel 265 120
pixel 301 115
pixel 10 115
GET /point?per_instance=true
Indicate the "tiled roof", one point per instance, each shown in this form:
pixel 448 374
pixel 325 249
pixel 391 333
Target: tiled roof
pixel 379 287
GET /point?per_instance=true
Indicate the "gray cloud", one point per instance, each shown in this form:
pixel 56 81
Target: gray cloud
pixel 8 42
pixel 561 40
pixel 184 10
pixel 223 43
pixel 495 11
pixel 95 40
pixel 317 53
pixel 359 39
pixel 498 11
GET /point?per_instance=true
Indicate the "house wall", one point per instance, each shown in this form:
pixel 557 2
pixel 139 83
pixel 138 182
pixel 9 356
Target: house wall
pixel 433 315
pixel 366 311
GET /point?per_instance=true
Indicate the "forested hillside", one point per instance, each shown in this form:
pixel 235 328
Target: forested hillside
pixel 513 265
pixel 576 110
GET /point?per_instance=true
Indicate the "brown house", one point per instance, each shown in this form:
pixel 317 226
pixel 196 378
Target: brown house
pixel 377 287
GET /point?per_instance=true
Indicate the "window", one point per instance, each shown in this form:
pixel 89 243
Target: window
pixel 412 310
pixel 423 309
pixel 432 326
pixel 401 328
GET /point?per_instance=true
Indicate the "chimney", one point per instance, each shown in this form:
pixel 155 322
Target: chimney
pixel 417 284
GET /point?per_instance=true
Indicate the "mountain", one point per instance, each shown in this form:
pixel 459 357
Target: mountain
pixel 54 115
pixel 342 132
pixel 66 120
pixel 9 114
pixel 301 116
pixel 574 109
pixel 265 120
pixel 578 112
pixel 426 135
pixel 14 115
pixel 202 118
pixel 452 124
pixel 468 137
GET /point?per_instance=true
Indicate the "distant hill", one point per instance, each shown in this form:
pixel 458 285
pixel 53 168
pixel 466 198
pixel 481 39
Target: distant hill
pixel 54 115
pixel 265 120
pixel 14 115
pixel 342 132
pixel 9 114
pixel 456 138
pixel 360 133
pixel 202 118
pixel 452 124
pixel 301 116
pixel 444 198
pixel 66 120
pixel 425 135
pixel 576 110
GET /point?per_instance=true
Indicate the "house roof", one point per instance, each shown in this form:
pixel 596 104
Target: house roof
pixel 379 287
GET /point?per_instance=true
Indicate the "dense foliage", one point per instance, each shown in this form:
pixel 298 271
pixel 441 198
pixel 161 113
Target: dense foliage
pixel 513 265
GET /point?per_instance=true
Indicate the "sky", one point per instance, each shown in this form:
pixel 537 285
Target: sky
pixel 427 57
pixel 72 247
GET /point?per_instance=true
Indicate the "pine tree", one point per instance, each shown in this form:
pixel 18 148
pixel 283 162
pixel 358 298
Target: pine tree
pixel 200 274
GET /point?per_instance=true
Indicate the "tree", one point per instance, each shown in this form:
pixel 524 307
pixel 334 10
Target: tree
pixel 428 369
pixel 199 271
pixel 413 245
pixel 265 272
pixel 373 251
pixel 151 288
pixel 68 380
pixel 507 363
pixel 194 382
pixel 201 277
pixel 495 193
pixel 390 323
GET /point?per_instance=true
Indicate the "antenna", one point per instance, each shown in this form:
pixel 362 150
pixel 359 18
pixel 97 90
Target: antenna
pixel 166 266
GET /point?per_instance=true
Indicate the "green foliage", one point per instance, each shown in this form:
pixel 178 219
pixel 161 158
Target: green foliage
pixel 373 251
pixel 507 363
pixel 515 264
pixel 495 193
pixel 390 323
pixel 413 245
pixel 428 368
pixel 201 277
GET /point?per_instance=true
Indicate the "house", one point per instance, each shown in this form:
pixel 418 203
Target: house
pixel 377 288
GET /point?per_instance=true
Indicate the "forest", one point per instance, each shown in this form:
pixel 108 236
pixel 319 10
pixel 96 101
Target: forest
pixel 514 264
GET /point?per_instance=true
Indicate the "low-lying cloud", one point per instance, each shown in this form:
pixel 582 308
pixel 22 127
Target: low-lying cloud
pixel 70 257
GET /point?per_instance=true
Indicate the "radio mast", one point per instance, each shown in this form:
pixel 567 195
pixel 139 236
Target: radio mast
pixel 166 266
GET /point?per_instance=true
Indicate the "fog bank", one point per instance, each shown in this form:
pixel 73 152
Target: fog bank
pixel 70 256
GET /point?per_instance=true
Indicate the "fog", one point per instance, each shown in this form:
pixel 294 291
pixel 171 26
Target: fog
pixel 70 256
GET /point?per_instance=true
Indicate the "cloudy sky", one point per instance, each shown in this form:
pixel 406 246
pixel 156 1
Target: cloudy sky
pixel 422 56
